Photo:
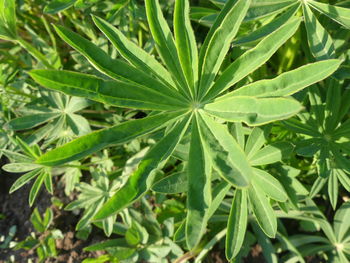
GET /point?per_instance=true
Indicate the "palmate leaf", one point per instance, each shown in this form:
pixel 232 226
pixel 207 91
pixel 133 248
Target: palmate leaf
pixel 185 95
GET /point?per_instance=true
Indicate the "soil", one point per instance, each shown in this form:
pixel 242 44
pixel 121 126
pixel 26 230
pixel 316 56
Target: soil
pixel 17 212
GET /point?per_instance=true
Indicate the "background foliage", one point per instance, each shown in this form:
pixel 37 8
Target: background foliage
pixel 175 131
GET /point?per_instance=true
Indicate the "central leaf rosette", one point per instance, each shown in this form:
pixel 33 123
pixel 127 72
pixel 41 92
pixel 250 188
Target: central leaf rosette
pixel 186 93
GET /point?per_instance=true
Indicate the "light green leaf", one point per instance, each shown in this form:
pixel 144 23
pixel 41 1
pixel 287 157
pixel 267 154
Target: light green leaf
pixel 31 121
pixel 165 43
pixel 269 27
pixel 270 185
pixel 253 58
pixel 24 179
pixel 35 188
pixel 290 82
pixel 344 179
pixel 79 125
pixel 320 42
pixel 227 156
pixel 186 43
pixel 218 194
pixel 333 188
pixel 113 68
pixel 95 141
pixel 172 184
pixel 56 6
pixel 8 19
pixel 133 53
pixel 142 179
pixel 48 182
pixel 20 167
pixel 341 221
pixel 337 13
pixel 199 187
pixel 255 141
pixel 218 41
pixel 253 111
pixel 263 8
pixel 237 224
pixel 262 210
pixel 117 93
pixel 272 153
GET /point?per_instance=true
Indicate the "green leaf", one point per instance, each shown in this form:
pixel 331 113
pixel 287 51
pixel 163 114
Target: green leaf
pixel 290 82
pixel 320 42
pixel 237 224
pixel 227 156
pixel 48 217
pixel 48 182
pixel 79 125
pixel 133 53
pixel 199 187
pixel 186 43
pixel 56 6
pixel 263 8
pixel 113 68
pixel 299 127
pixel 255 141
pixel 20 167
pixel 33 51
pixel 172 184
pixel 270 185
pixel 218 194
pixel 269 27
pixel 333 188
pixel 253 58
pixel 142 179
pixel 8 19
pixel 36 220
pixel 24 179
pixel 165 43
pixel 31 121
pixel 337 13
pixel 274 152
pixel 253 111
pixel 262 210
pixel 118 242
pixel 98 140
pixel 117 93
pixel 218 41
pixel 341 222
pixel 344 179
pixel 35 188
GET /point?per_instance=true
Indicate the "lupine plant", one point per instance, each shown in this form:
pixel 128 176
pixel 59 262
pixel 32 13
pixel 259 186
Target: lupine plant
pixel 232 134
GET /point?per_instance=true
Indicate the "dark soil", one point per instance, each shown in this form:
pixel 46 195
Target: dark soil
pixel 17 212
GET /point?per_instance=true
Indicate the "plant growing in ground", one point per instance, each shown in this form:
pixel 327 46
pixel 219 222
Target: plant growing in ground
pixel 205 167
pixel 189 97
